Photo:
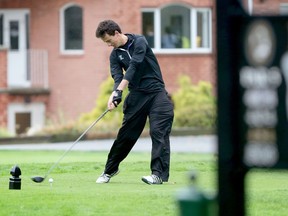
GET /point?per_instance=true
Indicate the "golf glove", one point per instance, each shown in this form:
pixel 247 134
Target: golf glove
pixel 117 98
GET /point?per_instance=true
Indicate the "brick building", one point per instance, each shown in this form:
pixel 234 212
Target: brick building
pixel 51 62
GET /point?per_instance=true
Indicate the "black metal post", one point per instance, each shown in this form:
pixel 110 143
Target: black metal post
pixel 231 173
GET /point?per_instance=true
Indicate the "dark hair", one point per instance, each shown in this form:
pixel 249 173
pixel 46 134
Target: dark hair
pixel 107 27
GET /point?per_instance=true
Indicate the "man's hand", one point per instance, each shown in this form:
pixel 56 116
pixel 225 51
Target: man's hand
pixel 117 98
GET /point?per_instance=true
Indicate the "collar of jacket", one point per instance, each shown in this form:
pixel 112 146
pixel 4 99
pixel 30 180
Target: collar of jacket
pixel 130 42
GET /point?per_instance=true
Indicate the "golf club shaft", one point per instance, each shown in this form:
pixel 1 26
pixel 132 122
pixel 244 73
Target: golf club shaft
pixel 76 141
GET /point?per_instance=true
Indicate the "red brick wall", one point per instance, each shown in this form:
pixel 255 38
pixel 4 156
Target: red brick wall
pixel 75 80
pixel 3 110
pixel 5 99
pixel 3 85
pixel 3 68
pixel 266 7
pixel 198 67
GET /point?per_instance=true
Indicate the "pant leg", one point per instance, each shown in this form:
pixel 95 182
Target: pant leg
pixel 161 118
pixel 135 116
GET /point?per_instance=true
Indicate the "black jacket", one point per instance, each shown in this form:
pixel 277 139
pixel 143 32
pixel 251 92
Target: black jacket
pixel 139 63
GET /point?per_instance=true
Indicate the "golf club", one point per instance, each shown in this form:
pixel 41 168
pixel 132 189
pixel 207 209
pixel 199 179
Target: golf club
pixel 39 179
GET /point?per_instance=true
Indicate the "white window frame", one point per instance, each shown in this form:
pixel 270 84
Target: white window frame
pixel 194 13
pixel 194 49
pixel 62 32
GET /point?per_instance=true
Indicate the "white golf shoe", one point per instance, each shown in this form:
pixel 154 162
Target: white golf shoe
pixel 152 179
pixel 105 178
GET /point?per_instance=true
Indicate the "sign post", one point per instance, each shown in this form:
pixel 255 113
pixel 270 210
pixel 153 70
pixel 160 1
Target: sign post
pixel 252 67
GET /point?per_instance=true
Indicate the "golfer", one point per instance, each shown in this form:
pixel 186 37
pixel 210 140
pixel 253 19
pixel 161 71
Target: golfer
pixel 147 98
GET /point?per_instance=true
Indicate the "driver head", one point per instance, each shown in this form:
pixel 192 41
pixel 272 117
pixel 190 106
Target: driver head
pixel 38 179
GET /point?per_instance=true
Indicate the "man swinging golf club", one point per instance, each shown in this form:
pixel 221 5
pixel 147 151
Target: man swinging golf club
pixel 147 98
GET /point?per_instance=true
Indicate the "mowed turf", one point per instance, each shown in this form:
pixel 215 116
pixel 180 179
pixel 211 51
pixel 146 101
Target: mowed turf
pixel 74 191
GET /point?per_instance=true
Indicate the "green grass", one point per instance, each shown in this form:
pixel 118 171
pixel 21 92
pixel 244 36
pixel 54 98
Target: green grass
pixel 74 191
pixel 267 192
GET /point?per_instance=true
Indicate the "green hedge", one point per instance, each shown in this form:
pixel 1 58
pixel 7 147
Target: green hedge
pixel 194 107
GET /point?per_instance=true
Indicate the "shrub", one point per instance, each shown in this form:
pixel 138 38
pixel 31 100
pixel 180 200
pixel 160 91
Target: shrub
pixel 195 105
pixel 4 133
pixel 61 129
pixel 113 119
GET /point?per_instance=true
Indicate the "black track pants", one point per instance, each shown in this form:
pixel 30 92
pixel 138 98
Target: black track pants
pixel 137 107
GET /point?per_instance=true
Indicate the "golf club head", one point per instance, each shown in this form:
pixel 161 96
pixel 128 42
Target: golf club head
pixel 38 179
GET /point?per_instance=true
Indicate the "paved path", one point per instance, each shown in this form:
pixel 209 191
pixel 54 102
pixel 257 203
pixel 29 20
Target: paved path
pixel 196 144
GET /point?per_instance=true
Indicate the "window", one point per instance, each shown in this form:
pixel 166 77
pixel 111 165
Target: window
pixel 71 29
pixel 174 20
pixel 23 122
pixel 283 9
pixel 178 29
pixel 14 35
pixel 25 117
pixel 148 27
pixel 203 31
pixel 1 29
